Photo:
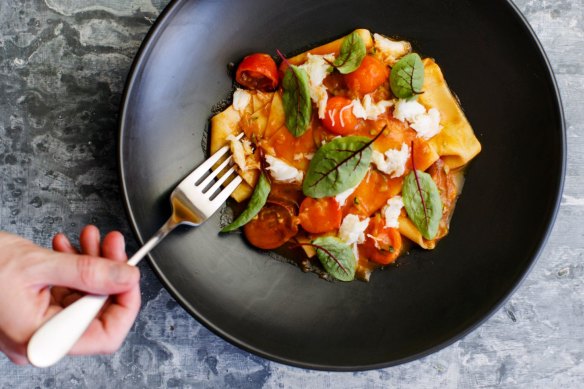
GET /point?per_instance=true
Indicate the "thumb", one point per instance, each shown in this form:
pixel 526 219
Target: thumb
pixel 90 274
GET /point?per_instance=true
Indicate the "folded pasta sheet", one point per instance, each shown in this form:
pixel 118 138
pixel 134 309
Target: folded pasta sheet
pixel 348 148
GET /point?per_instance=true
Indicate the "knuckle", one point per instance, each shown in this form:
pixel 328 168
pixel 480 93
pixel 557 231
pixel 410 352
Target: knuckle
pixel 86 270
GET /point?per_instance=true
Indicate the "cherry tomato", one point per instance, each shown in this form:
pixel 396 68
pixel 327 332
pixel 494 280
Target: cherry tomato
pixel 273 226
pixel 320 215
pixel 338 117
pixel 382 245
pixel 448 193
pixel 258 71
pixel 368 76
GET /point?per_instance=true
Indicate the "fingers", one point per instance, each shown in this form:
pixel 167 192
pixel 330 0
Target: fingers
pixel 103 276
pixel 89 274
pixel 107 333
pixel 114 247
pixel 89 241
pixel 61 243
pixel 17 358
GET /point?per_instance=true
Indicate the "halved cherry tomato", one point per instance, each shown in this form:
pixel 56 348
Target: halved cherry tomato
pixel 272 227
pixel 320 215
pixel 338 117
pixel 368 76
pixel 448 193
pixel 382 245
pixel 258 71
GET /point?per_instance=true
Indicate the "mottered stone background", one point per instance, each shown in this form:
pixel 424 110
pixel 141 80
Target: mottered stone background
pixel 63 64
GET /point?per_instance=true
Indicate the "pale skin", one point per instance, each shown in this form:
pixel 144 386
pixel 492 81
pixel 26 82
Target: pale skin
pixel 38 282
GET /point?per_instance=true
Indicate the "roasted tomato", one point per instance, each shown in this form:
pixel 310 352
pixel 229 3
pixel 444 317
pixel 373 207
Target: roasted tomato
pixel 320 215
pixel 382 245
pixel 258 71
pixel 338 117
pixel 369 76
pixel 272 227
pixel 448 193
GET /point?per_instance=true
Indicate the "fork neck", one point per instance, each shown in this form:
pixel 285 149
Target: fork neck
pixel 166 228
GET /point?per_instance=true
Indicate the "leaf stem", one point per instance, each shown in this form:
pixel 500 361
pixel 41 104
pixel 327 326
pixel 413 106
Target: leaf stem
pixel 282 56
pixel 419 187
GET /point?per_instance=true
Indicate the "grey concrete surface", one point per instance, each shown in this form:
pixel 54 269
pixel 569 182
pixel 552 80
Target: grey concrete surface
pixel 62 69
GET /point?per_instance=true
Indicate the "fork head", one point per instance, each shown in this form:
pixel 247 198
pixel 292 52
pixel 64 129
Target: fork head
pixel 200 194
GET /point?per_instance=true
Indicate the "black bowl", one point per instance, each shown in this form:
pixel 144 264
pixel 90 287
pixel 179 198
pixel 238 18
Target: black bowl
pixel 491 60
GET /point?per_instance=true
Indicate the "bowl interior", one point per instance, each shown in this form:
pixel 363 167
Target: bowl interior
pixel 491 61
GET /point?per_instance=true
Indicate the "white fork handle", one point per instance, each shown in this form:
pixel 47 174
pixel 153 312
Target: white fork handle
pixel 53 340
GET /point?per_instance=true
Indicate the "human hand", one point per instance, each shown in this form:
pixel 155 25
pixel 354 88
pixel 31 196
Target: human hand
pixel 37 283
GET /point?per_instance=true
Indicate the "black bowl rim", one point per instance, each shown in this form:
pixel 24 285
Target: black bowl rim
pixel 169 11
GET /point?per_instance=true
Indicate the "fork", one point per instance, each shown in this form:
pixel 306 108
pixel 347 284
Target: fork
pixel 193 201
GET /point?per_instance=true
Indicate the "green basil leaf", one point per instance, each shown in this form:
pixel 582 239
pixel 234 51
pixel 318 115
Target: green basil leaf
pixel 296 100
pixel 407 76
pixel 336 257
pixel 337 166
pixel 352 53
pixel 256 202
pixel 426 219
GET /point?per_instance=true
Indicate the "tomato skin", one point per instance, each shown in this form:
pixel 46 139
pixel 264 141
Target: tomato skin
pixel 258 71
pixel 338 117
pixel 386 246
pixel 320 215
pixel 273 226
pixel 369 76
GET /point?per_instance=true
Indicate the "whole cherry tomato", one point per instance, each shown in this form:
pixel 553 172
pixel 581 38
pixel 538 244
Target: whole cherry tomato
pixel 258 71
pixel 320 215
pixel 339 117
pixel 382 245
pixel 368 76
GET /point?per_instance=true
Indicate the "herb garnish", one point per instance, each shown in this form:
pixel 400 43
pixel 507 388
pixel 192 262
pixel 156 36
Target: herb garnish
pixel 336 257
pixel 257 201
pixel 296 98
pixel 338 165
pixel 407 76
pixel 422 201
pixel 352 53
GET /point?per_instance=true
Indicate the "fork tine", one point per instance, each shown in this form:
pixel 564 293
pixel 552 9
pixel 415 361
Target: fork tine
pixel 220 181
pixel 226 192
pixel 212 159
pixel 205 166
pixel 214 173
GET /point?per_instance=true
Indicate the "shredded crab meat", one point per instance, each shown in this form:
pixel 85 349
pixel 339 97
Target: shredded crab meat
pixel 392 210
pixel 392 162
pixel 318 67
pixel 352 229
pixel 238 152
pixel 342 112
pixel 283 172
pixel 367 109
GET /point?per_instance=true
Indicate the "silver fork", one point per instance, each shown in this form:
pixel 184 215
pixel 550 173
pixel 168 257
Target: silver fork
pixel 194 200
